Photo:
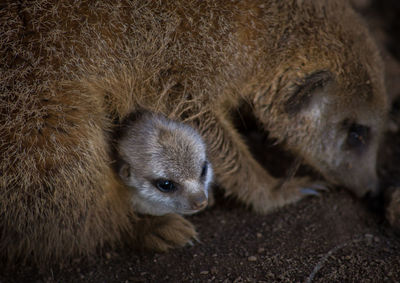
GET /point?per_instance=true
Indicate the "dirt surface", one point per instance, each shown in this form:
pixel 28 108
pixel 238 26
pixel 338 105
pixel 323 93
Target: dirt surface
pixel 331 238
pixel 325 239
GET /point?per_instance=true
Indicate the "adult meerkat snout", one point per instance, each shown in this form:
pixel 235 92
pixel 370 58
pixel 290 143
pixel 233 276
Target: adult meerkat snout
pixel 165 164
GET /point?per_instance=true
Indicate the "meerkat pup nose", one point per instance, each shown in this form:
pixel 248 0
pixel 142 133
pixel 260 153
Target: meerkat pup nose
pixel 199 201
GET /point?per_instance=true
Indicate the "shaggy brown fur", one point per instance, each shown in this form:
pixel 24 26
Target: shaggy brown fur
pixel 308 69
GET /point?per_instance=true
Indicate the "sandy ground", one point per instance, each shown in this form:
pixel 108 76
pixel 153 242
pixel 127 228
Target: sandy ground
pixel 331 238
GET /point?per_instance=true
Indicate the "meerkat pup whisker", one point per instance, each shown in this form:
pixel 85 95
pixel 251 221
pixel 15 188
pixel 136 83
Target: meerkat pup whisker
pixel 164 163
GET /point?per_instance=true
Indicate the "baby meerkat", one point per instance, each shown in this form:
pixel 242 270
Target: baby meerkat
pixel 165 163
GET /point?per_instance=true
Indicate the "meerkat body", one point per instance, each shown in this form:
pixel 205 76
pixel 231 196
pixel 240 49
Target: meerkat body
pixel 165 164
pixel 308 69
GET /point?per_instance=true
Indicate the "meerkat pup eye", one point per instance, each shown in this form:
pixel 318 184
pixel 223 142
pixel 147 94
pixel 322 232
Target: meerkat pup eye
pixel 161 161
pixel 166 186
pixel 204 170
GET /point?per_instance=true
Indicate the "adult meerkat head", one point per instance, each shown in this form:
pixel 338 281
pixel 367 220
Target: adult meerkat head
pixel 339 126
pixel 327 100
pixel 165 164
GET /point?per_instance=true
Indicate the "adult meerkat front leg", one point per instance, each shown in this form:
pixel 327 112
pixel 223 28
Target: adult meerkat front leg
pixel 241 175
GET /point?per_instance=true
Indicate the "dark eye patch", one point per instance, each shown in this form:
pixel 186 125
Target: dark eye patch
pixel 304 89
pixel 204 170
pixel 165 186
pixel 358 136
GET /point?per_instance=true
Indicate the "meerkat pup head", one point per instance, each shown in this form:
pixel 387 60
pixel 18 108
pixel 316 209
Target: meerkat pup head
pixel 165 164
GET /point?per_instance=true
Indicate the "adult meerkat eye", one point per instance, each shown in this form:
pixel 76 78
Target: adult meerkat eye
pixel 358 136
pixel 204 170
pixel 165 186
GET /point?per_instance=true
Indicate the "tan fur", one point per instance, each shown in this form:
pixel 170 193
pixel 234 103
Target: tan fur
pixel 67 70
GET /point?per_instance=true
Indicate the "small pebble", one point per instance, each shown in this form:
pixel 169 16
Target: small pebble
pixel 205 272
pixel 252 258
pixel 270 275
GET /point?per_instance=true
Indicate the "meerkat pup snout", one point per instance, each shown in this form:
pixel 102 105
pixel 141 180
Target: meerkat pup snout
pixel 165 164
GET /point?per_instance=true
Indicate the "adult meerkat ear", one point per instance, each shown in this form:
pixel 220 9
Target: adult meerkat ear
pixel 306 90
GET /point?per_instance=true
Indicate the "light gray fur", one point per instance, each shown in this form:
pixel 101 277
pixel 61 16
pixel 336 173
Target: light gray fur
pixel 153 147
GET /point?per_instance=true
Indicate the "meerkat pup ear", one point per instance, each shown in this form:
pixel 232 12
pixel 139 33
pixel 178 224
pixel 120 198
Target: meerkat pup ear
pixel 125 172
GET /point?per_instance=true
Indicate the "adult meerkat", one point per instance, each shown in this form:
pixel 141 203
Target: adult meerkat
pixel 309 71
pixel 165 164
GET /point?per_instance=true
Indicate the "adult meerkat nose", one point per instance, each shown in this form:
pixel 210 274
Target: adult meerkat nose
pixel 375 199
pixel 374 188
pixel 370 187
pixel 199 201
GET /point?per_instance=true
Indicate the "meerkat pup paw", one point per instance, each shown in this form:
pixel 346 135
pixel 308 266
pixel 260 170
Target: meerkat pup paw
pixel 162 233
